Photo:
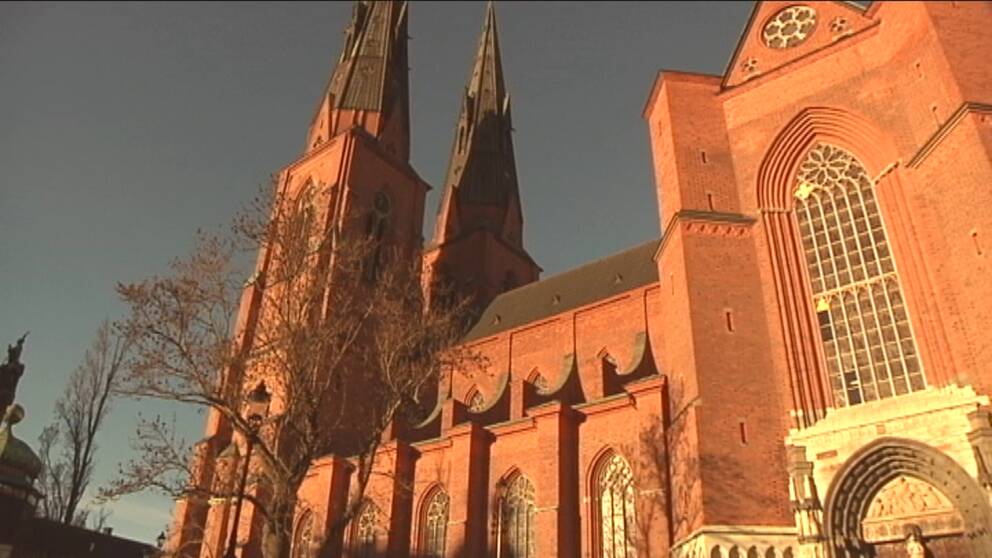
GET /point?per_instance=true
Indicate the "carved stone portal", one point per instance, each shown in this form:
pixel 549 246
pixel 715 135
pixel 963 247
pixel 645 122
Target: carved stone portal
pixel 906 501
pixel 895 486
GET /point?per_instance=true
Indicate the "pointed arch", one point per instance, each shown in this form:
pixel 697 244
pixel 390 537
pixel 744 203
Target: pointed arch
pixel 536 379
pixel 613 491
pixel 433 521
pixel 777 198
pixel 515 510
pixel 365 531
pixel 818 124
pixel 474 400
pixel 303 536
pixel 872 467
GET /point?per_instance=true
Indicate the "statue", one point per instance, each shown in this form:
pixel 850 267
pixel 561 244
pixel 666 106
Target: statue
pixel 914 542
pixel 10 373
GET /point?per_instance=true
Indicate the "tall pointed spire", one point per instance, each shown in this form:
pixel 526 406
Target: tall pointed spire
pixel 481 184
pixel 370 85
pixel 478 238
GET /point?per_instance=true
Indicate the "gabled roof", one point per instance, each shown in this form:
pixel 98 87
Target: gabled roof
pixel 598 280
pixel 779 32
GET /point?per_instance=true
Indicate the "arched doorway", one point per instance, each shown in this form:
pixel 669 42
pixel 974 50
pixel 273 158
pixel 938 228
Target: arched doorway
pixel 895 486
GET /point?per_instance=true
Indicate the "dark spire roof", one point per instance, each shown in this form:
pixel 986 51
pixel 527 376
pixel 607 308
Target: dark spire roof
pixel 371 74
pixel 481 185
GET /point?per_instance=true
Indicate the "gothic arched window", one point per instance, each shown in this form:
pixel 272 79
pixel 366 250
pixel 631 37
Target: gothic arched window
pixel 434 524
pixel 516 520
pixel 615 502
pixel 366 529
pixel 376 225
pixel 303 539
pixel 476 402
pixel 868 345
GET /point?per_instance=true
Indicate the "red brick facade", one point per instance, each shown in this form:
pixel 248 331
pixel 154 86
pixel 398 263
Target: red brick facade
pixel 707 367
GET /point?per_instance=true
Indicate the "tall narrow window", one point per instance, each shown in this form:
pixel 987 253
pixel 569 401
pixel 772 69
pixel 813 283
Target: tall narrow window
pixel 615 494
pixel 434 524
pixel 376 226
pixel 516 520
pixel 366 530
pixel 869 348
pixel 303 540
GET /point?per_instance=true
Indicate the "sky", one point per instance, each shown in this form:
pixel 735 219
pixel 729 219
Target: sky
pixel 125 127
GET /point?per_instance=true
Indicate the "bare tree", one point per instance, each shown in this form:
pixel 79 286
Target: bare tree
pixel 68 445
pixel 333 321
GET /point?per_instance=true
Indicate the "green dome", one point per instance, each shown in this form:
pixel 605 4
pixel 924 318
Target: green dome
pixel 19 464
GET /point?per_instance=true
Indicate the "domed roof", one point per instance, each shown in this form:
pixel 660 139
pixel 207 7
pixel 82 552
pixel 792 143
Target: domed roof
pixel 19 464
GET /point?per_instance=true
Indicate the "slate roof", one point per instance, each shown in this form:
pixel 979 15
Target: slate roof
pixel 598 280
pixel 482 173
pixel 373 62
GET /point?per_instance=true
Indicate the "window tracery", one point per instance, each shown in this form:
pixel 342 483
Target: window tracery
pixel 861 313
pixel 366 531
pixel 435 525
pixel 615 492
pixel 789 27
pixel 303 541
pixel 516 520
pixel 476 402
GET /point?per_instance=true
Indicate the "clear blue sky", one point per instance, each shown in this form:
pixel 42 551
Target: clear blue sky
pixel 125 127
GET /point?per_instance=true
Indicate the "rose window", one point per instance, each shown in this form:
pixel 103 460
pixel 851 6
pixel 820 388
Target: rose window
pixel 789 27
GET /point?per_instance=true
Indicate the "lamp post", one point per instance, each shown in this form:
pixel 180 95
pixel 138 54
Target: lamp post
pixel 258 405
pixel 160 540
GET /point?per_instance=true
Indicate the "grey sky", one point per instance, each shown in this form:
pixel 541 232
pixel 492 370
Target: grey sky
pixel 125 127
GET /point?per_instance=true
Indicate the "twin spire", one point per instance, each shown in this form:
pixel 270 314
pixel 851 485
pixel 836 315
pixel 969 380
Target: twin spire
pixel 481 184
pixel 369 88
pixel 370 85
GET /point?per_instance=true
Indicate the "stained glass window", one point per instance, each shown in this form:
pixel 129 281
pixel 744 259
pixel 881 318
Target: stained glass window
pixel 860 309
pixel 435 525
pixel 366 530
pixel 615 487
pixel 516 520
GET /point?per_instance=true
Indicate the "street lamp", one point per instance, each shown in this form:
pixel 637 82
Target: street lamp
pixel 160 540
pixel 258 406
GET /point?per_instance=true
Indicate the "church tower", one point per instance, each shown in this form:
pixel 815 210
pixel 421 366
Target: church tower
pixel 478 238
pixel 356 162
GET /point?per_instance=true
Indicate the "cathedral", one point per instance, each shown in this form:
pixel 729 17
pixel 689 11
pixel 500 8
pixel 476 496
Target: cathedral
pixel 796 365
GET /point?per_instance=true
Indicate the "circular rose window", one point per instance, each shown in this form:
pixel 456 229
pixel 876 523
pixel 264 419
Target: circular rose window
pixel 789 27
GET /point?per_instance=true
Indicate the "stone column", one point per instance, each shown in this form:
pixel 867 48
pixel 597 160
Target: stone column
pixel 805 502
pixel 980 437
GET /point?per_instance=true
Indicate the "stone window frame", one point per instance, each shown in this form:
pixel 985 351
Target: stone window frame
pixel 431 543
pixel 601 468
pixel 869 349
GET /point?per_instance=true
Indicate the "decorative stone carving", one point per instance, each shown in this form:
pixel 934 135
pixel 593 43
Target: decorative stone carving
pixel 909 502
pixel 914 543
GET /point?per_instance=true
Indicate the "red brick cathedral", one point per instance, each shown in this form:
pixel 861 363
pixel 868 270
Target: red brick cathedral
pixel 799 365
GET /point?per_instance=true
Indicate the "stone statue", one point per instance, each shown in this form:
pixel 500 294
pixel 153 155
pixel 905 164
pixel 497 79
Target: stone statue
pixel 914 542
pixel 10 373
